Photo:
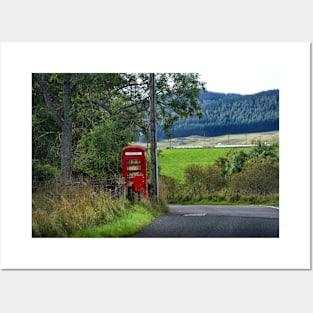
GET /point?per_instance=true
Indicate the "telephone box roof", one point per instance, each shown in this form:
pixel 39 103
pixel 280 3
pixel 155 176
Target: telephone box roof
pixel 134 147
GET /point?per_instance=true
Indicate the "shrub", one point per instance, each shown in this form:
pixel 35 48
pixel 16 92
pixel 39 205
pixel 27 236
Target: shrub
pixel 265 151
pixel 217 196
pixel 260 177
pixel 215 179
pixel 196 179
pixel 168 187
pixel 235 161
pixel 42 172
pixel 98 152
pixel 172 189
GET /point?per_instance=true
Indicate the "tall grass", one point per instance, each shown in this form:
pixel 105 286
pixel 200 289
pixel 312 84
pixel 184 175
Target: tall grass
pixel 71 209
pixel 82 212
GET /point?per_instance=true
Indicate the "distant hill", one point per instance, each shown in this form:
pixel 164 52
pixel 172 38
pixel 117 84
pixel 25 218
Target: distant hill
pixel 231 114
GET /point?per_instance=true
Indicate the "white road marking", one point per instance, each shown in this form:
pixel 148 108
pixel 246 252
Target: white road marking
pixel 195 214
pixel 273 207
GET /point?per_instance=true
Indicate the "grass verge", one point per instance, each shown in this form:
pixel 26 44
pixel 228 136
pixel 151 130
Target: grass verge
pixel 127 223
pixel 272 200
pixel 72 210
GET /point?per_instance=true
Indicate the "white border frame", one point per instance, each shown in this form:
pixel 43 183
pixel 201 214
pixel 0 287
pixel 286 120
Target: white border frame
pixel 20 251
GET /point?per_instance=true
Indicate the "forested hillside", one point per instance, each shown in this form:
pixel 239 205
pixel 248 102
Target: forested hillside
pixel 230 114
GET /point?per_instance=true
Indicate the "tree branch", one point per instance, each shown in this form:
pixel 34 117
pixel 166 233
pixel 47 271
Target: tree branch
pixel 47 98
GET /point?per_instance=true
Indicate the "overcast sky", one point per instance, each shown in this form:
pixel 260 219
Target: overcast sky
pixel 245 82
pixel 243 68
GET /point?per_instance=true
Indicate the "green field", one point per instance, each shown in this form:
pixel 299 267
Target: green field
pixel 173 162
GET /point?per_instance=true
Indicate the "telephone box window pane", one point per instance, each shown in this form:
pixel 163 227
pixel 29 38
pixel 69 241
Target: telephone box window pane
pixel 133 165
pixel 133 153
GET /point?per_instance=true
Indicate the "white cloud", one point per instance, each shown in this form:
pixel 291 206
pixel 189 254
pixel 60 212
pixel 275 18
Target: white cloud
pixel 241 67
pixel 242 83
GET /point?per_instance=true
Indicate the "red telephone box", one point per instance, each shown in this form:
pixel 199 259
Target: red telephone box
pixel 134 169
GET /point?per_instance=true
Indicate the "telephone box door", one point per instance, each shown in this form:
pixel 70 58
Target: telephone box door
pixel 134 168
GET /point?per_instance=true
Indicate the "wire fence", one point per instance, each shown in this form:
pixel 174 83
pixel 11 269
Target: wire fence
pixel 114 187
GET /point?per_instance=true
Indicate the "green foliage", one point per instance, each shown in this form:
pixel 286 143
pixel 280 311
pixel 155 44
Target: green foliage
pixel 202 181
pixel 68 113
pixel 241 176
pixel 98 152
pixel 234 162
pixel 215 179
pixel 235 159
pixel 45 132
pixel 168 187
pixel 199 182
pixel 177 96
pixel 264 151
pixel 195 178
pixel 43 172
pixel 258 177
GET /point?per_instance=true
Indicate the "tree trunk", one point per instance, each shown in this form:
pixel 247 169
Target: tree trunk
pixel 66 138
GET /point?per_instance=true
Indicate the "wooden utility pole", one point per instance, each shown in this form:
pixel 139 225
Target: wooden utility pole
pixel 153 147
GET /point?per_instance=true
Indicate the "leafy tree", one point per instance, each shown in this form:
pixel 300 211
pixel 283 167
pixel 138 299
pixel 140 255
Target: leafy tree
pixel 45 134
pixel 264 151
pixel 234 162
pixel 79 102
pixel 177 96
pixel 98 152
pixel 54 88
pixel 74 101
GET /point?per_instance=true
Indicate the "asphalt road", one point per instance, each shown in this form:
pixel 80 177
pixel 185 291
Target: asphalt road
pixel 215 221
